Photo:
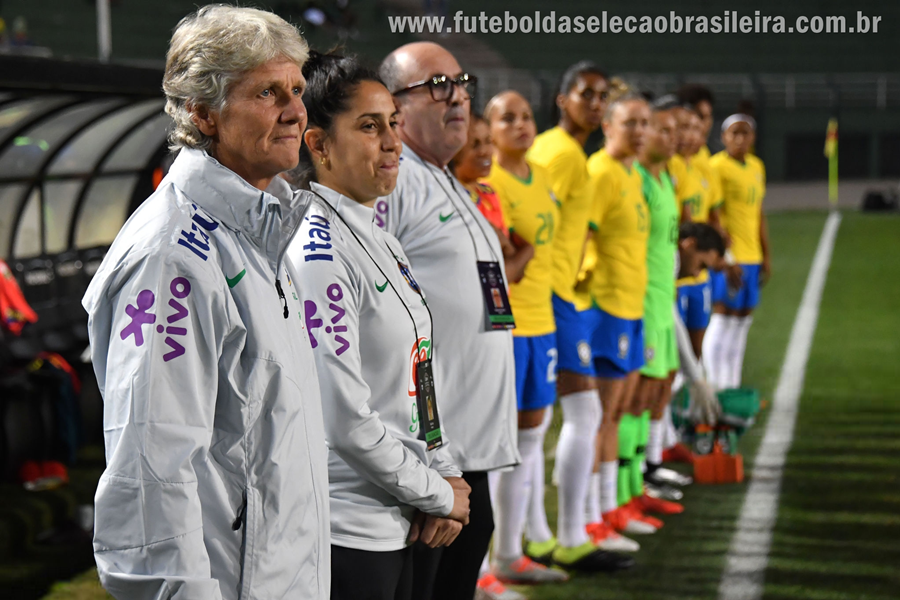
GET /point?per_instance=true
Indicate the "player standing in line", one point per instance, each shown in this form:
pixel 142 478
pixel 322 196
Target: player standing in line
pixel 581 103
pixel 530 209
pixel 742 177
pixel 457 257
pixel 622 225
pixel 643 423
pixel 699 195
pixel 391 480
pixel 702 100
pixel 472 164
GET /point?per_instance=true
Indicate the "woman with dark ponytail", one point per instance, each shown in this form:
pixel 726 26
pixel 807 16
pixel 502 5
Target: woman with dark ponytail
pixel 391 480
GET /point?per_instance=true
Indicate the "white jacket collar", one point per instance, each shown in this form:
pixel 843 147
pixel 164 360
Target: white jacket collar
pixel 358 216
pixel 270 218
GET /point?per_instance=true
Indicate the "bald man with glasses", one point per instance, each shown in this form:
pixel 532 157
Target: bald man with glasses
pixel 458 262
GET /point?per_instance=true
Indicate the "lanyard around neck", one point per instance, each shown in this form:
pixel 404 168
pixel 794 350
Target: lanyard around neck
pixel 377 266
pixel 470 209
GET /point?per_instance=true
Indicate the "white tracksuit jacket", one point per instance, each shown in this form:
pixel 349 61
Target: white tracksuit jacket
pixel 364 343
pixel 474 367
pixel 216 478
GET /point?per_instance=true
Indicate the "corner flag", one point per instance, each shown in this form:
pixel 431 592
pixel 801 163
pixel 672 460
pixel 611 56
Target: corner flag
pixel 831 153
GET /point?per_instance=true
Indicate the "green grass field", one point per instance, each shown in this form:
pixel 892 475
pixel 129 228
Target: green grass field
pixel 838 528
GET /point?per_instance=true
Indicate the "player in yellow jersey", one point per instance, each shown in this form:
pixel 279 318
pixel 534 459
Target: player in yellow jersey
pixel 702 101
pixel 699 194
pixel 579 108
pixel 473 163
pixel 742 178
pixel 530 210
pixel 622 225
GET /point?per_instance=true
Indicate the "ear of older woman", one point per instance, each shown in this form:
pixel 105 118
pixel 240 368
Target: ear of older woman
pixel 257 133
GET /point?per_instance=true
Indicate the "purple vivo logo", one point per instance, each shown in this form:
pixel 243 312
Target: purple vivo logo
pixel 335 294
pixel 381 211
pixel 140 315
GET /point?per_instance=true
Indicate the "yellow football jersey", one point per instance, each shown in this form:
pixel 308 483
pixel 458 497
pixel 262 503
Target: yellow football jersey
pixel 712 190
pixel 743 189
pixel 530 209
pixel 688 185
pixel 565 162
pixel 622 223
pixel 704 152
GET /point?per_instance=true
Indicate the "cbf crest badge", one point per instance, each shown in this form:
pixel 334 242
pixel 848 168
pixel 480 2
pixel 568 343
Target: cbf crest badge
pixel 584 353
pixel 623 346
pixel 408 276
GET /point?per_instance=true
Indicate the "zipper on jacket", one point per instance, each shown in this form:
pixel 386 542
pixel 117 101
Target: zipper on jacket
pixel 281 295
pixel 240 516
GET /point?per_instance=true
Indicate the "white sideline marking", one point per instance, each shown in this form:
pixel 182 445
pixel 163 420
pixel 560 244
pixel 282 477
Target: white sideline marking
pixel 748 554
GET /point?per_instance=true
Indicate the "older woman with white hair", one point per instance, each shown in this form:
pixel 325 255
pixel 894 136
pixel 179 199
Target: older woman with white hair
pixel 216 482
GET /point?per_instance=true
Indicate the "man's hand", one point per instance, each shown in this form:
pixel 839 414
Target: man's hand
pixel 461 492
pixel 439 531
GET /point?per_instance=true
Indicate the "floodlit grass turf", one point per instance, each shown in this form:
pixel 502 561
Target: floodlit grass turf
pixel 838 531
pixel 685 558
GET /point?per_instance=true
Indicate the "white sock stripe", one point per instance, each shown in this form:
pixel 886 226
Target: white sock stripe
pixel 748 554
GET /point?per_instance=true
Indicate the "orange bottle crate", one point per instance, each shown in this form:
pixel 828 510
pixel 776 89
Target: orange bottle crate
pixel 718 467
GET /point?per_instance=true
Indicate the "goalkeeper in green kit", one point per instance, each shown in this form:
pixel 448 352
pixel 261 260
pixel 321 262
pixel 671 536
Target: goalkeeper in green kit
pixel 642 423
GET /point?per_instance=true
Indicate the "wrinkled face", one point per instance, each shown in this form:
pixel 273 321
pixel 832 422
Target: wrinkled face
pixel 705 111
pixel 362 150
pixel 738 139
pixel 626 128
pixel 474 160
pixel 661 138
pixel 512 124
pixel 257 133
pixel 585 103
pixel 441 127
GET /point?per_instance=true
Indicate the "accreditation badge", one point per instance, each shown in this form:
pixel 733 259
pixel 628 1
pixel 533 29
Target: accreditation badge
pixel 426 402
pixel 499 313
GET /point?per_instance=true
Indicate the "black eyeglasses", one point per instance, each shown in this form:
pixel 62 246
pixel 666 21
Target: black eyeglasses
pixel 441 86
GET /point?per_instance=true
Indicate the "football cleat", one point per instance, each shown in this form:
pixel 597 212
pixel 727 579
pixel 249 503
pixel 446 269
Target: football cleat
pixel 541 552
pixel 588 558
pixel 623 521
pixel 525 570
pixel 662 475
pixel 664 492
pixel 490 588
pixel 606 538
pixel 663 507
